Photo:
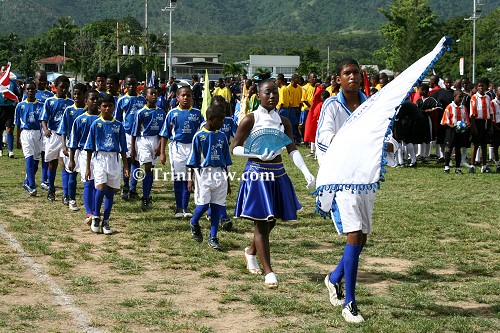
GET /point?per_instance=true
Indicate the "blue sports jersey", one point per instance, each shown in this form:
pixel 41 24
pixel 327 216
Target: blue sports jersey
pixel 106 136
pixel 162 102
pixel 148 122
pixel 69 116
pixel 229 128
pixel 41 95
pixel 80 130
pixel 210 149
pixel 126 108
pixel 53 110
pixel 28 114
pixel 182 125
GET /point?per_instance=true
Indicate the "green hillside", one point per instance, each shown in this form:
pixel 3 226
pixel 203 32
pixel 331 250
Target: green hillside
pixel 218 17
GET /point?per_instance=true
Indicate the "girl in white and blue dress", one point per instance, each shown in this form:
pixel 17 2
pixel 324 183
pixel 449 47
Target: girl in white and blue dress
pixel 261 198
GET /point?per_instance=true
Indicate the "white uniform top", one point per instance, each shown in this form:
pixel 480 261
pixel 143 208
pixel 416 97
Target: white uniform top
pixel 267 119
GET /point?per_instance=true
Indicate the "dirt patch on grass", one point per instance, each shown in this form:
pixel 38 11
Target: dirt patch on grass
pixel 387 264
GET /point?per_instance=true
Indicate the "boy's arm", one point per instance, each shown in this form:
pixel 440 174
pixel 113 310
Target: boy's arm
pixel 163 143
pixel 125 165
pixel 72 164
pixel 133 153
pixel 87 167
pixel 64 146
pixel 190 180
pixel 45 129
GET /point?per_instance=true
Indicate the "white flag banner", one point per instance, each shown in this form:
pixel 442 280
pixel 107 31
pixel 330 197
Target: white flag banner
pixel 356 156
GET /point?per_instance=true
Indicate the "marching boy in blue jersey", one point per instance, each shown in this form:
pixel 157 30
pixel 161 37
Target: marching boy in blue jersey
pixel 78 157
pixel 210 160
pixel 51 116
pixel 106 141
pixel 42 94
pixel 127 107
pixel 229 129
pixel 145 136
pixel 64 130
pixel 26 120
pixel 181 125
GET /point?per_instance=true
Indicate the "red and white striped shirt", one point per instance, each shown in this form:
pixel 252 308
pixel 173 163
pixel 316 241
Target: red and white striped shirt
pixel 480 106
pixel 495 107
pixel 454 113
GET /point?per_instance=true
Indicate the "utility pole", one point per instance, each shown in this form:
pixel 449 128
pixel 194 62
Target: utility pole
pixel 170 8
pixel 117 47
pixel 476 13
pixel 147 39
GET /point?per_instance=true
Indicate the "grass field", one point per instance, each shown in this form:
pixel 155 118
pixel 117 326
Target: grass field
pixel 431 265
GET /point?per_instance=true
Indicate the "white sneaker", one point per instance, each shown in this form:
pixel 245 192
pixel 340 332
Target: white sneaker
pixel 73 206
pixel 351 314
pixel 1 153
pixel 96 224
pixel 106 228
pixel 335 292
pixel 11 154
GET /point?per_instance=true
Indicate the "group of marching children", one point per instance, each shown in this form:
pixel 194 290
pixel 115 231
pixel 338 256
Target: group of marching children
pixel 102 135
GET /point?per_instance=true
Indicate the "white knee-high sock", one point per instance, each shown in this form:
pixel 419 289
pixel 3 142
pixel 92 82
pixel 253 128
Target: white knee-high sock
pixel 410 148
pixel 464 155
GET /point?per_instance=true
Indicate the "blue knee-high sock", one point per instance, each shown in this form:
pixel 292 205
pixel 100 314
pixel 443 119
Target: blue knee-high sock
pixel 88 197
pixel 98 199
pixel 51 174
pixel 35 170
pixel 351 260
pixel 108 204
pixel 72 185
pixel 178 188
pixel 133 179
pixel 214 219
pixel 147 185
pixel 10 141
pixel 223 213
pixel 30 175
pixel 45 170
pixel 338 273
pixel 185 195
pixel 64 180
pixel 199 210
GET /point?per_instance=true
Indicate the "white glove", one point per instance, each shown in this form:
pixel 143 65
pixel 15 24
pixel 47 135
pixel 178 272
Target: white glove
pixel 299 162
pixel 311 182
pixel 268 155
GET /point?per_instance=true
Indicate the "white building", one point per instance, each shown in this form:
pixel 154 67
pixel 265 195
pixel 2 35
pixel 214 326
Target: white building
pixel 287 65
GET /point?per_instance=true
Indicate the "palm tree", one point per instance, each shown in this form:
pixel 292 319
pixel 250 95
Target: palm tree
pixel 233 69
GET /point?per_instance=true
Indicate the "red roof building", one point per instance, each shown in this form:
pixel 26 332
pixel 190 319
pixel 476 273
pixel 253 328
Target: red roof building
pixel 53 64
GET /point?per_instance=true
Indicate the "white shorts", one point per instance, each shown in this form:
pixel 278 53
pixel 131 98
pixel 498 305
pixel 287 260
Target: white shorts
pixel 107 169
pixel 31 142
pixel 66 160
pixel 210 186
pixel 82 165
pixel 128 138
pixel 52 147
pixel 354 211
pixel 146 149
pixel 178 153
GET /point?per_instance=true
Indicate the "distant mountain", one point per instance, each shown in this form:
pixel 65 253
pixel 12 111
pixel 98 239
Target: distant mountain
pixel 218 17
